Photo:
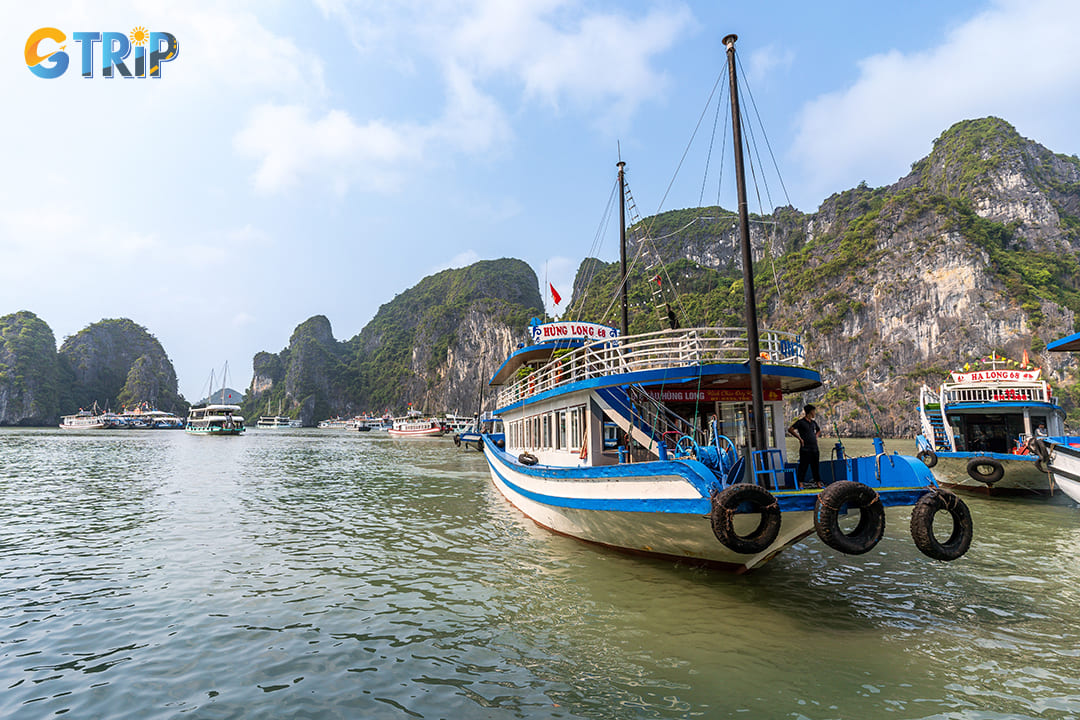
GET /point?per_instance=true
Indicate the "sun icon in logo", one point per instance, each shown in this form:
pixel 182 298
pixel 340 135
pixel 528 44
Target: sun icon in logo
pixel 138 35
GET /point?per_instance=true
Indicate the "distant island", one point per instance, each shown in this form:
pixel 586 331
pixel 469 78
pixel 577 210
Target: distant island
pixel 974 251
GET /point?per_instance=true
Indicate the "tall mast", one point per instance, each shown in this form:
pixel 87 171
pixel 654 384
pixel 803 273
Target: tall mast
pixel 622 247
pixel 757 440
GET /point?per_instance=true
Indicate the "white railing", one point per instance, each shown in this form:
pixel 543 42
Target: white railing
pixel 654 351
pixel 996 392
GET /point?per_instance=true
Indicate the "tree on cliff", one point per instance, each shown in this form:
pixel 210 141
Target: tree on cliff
pixel 29 384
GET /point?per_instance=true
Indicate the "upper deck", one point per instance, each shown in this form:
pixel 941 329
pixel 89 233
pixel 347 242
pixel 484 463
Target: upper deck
pixel 646 356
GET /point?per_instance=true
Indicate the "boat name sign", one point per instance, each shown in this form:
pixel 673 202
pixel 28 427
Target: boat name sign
pixel 572 331
pixel 996 376
pixel 710 395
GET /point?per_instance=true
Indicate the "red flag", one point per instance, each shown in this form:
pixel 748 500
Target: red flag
pixel 657 279
pixel 554 294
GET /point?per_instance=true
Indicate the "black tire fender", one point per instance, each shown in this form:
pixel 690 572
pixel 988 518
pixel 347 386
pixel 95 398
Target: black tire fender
pixel 975 472
pixel 929 458
pixel 1041 466
pixel 457 440
pixel 922 525
pixel 721 517
pixel 854 495
pixel 527 459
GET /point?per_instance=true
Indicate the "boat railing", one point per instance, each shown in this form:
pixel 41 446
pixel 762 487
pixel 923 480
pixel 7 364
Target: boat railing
pixel 653 351
pixel 996 392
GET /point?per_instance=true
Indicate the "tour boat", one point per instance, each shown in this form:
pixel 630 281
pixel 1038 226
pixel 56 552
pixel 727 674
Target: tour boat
pixel 85 420
pixel 699 471
pixel 268 421
pixel 215 420
pixel 334 423
pixel 977 428
pixel 414 424
pixel 1061 453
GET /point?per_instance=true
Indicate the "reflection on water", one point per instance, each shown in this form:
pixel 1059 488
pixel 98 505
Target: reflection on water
pixel 326 574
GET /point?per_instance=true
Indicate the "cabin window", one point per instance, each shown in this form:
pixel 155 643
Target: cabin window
pixel 546 430
pixel 536 431
pixel 560 430
pixel 577 427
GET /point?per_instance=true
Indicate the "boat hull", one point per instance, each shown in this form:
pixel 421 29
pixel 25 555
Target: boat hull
pixel 1065 468
pixel 213 430
pixel 658 508
pixel 432 432
pixel 1020 476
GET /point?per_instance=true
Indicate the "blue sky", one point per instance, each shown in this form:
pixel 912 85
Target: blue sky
pixel 302 158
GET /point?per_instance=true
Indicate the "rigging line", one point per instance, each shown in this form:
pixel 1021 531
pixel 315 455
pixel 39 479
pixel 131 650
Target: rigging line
pixel 594 250
pixel 767 245
pixel 693 135
pixel 723 155
pixel 708 156
pixel 764 134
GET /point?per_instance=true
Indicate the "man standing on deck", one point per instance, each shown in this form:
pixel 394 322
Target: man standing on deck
pixel 807 431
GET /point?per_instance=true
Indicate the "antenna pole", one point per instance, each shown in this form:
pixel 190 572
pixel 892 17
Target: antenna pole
pixel 622 247
pixel 757 438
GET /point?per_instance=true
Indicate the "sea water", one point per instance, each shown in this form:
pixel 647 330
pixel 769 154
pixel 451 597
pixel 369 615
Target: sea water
pixel 328 574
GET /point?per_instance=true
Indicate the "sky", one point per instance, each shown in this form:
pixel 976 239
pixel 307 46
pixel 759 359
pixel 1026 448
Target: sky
pixel 318 157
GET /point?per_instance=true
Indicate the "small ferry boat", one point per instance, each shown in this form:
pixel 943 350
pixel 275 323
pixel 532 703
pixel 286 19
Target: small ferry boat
pixel 414 424
pixel 215 420
pixel 144 417
pixel 473 436
pixel 699 471
pixel 457 423
pixel 271 422
pixel 334 423
pixel 86 420
pixel 1061 453
pixel 978 427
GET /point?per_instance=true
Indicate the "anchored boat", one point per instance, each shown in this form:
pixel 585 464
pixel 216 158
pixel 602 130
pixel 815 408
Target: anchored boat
pixel 215 420
pixel 977 430
pixel 696 469
pixel 1061 453
pixel 414 424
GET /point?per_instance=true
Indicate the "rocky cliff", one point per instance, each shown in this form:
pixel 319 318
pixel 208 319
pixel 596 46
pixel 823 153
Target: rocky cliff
pixel 29 383
pixel 976 250
pixel 116 363
pixel 430 346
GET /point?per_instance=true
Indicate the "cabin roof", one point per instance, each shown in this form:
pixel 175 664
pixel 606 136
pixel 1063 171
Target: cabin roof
pixel 1070 343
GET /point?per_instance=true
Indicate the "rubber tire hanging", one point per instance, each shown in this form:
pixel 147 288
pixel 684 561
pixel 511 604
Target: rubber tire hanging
pixel 527 459
pixel 928 457
pixel 855 495
pixel 922 525
pixel 724 506
pixel 997 470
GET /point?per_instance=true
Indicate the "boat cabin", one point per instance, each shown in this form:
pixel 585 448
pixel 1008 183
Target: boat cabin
pixel 582 395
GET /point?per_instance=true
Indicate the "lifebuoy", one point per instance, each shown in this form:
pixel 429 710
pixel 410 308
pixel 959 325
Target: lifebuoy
pixel 976 470
pixel 854 495
pixel 760 500
pixel 929 457
pixel 922 525
pixel 527 459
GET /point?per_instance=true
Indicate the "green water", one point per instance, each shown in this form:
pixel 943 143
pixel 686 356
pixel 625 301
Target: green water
pixel 323 574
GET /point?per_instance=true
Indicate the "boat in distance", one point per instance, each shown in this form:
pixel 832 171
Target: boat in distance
pixel 215 420
pixel 977 429
pixel 414 425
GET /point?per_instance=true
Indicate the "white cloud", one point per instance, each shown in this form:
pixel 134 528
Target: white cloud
pixel 558 55
pixel 1019 61
pixel 288 142
pixel 765 61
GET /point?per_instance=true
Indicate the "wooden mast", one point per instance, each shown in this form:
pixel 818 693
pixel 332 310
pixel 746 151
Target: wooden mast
pixel 622 248
pixel 758 436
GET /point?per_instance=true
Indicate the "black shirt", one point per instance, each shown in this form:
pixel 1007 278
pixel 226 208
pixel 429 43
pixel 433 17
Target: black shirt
pixel 808 430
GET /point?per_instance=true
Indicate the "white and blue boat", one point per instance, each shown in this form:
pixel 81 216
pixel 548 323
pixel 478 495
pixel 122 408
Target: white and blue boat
pixel 978 428
pixel 1061 453
pixel 698 472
